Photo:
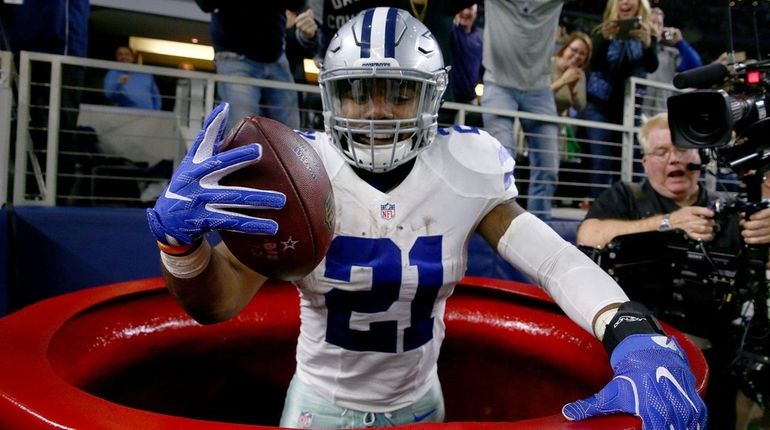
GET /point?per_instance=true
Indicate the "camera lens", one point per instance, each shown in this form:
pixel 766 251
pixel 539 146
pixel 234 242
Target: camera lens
pixel 699 119
pixel 702 123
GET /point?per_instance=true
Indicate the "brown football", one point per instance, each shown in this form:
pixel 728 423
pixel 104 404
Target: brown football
pixel 305 225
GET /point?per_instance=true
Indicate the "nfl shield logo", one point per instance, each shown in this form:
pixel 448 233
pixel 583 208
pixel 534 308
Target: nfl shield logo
pixel 388 211
pixel 305 419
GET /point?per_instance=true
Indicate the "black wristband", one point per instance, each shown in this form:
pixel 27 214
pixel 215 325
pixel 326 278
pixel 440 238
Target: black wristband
pixel 632 318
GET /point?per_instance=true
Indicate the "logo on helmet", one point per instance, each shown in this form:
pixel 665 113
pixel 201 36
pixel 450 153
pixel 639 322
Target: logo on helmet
pixel 379 62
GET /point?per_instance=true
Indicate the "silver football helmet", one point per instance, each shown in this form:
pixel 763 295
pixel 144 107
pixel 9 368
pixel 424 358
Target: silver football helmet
pixel 381 85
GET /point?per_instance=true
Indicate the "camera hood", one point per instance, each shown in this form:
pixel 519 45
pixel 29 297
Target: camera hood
pixel 701 119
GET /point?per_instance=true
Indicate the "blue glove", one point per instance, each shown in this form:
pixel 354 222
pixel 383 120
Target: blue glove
pixel 194 203
pixel 652 381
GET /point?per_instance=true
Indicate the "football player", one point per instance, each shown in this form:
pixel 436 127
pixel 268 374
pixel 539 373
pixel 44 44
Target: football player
pixel 408 196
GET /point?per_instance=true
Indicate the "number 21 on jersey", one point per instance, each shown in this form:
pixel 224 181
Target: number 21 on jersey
pixel 383 257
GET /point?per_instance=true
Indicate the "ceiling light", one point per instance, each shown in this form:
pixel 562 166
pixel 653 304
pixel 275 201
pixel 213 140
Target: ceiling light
pixel 167 47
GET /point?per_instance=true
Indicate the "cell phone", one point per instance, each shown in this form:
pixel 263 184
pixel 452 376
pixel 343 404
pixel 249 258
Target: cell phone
pixel 626 25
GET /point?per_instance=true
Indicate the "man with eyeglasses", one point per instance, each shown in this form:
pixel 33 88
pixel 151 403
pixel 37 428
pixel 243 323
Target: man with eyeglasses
pixel 672 198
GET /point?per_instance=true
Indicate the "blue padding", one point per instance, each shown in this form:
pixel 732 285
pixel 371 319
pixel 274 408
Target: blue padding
pixel 64 249
pixel 484 261
pixel 3 261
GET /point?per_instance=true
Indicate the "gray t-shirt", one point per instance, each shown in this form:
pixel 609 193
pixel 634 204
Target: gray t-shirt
pixel 668 61
pixel 518 40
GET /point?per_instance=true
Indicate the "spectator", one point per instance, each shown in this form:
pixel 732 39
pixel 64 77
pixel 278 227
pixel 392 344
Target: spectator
pixel 131 89
pixel 518 36
pixel 249 42
pixel 302 39
pixel 467 44
pixel 439 17
pixel 53 27
pixel 614 61
pixel 569 89
pixel 334 14
pixel 567 72
pixel 370 335
pixel 674 55
pixel 672 198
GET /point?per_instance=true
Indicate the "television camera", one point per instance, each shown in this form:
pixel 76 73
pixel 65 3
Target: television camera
pixel 721 291
pixel 732 119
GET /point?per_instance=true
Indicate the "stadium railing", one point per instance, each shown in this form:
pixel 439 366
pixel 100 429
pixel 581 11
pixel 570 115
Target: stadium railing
pixel 107 157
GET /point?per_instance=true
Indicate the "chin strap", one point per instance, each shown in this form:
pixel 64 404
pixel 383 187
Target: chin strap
pixel 631 318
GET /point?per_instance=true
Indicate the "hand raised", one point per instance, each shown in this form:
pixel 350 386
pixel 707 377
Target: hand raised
pixel 195 203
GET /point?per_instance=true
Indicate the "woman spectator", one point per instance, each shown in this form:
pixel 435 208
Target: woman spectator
pixel 616 58
pixel 567 72
pixel 568 83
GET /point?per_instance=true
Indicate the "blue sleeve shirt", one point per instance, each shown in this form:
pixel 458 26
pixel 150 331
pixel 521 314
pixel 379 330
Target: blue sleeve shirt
pixel 140 91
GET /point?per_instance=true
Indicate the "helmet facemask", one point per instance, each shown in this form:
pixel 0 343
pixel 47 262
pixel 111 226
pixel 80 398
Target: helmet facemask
pixel 381 84
pixel 380 119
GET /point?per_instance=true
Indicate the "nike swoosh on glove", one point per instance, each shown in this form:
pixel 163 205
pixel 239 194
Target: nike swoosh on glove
pixel 652 381
pixel 194 203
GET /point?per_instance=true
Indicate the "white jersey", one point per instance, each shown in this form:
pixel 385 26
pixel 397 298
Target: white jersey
pixel 372 311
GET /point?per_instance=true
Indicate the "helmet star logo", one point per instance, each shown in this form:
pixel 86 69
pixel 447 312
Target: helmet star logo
pixel 289 243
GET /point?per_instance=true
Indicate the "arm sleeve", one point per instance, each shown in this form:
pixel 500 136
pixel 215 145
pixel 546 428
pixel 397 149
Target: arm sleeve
pixel 111 84
pixel 309 47
pixel 580 287
pixel 650 56
pixel 690 57
pixel 599 57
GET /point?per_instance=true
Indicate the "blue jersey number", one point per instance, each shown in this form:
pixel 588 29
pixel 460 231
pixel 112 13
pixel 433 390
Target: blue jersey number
pixel 384 259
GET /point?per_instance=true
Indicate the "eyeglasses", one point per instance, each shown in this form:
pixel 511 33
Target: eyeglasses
pixel 577 51
pixel 665 154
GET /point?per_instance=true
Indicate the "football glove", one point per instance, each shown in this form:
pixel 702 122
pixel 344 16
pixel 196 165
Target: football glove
pixel 194 203
pixel 652 381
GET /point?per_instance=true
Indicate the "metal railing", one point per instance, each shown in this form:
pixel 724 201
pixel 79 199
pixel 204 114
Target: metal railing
pixel 6 108
pixel 48 168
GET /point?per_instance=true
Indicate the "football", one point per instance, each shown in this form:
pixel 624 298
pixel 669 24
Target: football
pixel 305 224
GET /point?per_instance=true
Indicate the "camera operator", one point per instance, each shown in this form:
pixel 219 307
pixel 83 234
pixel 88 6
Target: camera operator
pixel 671 198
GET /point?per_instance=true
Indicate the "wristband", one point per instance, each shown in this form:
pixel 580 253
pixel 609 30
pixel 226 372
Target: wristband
pixel 602 321
pixel 179 249
pixel 631 318
pixel 188 265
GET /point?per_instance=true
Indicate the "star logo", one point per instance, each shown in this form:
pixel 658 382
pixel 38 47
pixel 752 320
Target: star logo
pixel 289 243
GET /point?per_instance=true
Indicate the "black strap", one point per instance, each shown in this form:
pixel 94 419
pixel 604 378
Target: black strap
pixel 632 318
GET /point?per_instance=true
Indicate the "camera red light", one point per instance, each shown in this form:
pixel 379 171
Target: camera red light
pixel 753 77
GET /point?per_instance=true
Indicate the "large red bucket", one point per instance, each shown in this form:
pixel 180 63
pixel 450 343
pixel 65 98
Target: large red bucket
pixel 126 356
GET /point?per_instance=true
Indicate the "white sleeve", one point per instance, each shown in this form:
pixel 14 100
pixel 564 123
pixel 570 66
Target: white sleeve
pixel 576 284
